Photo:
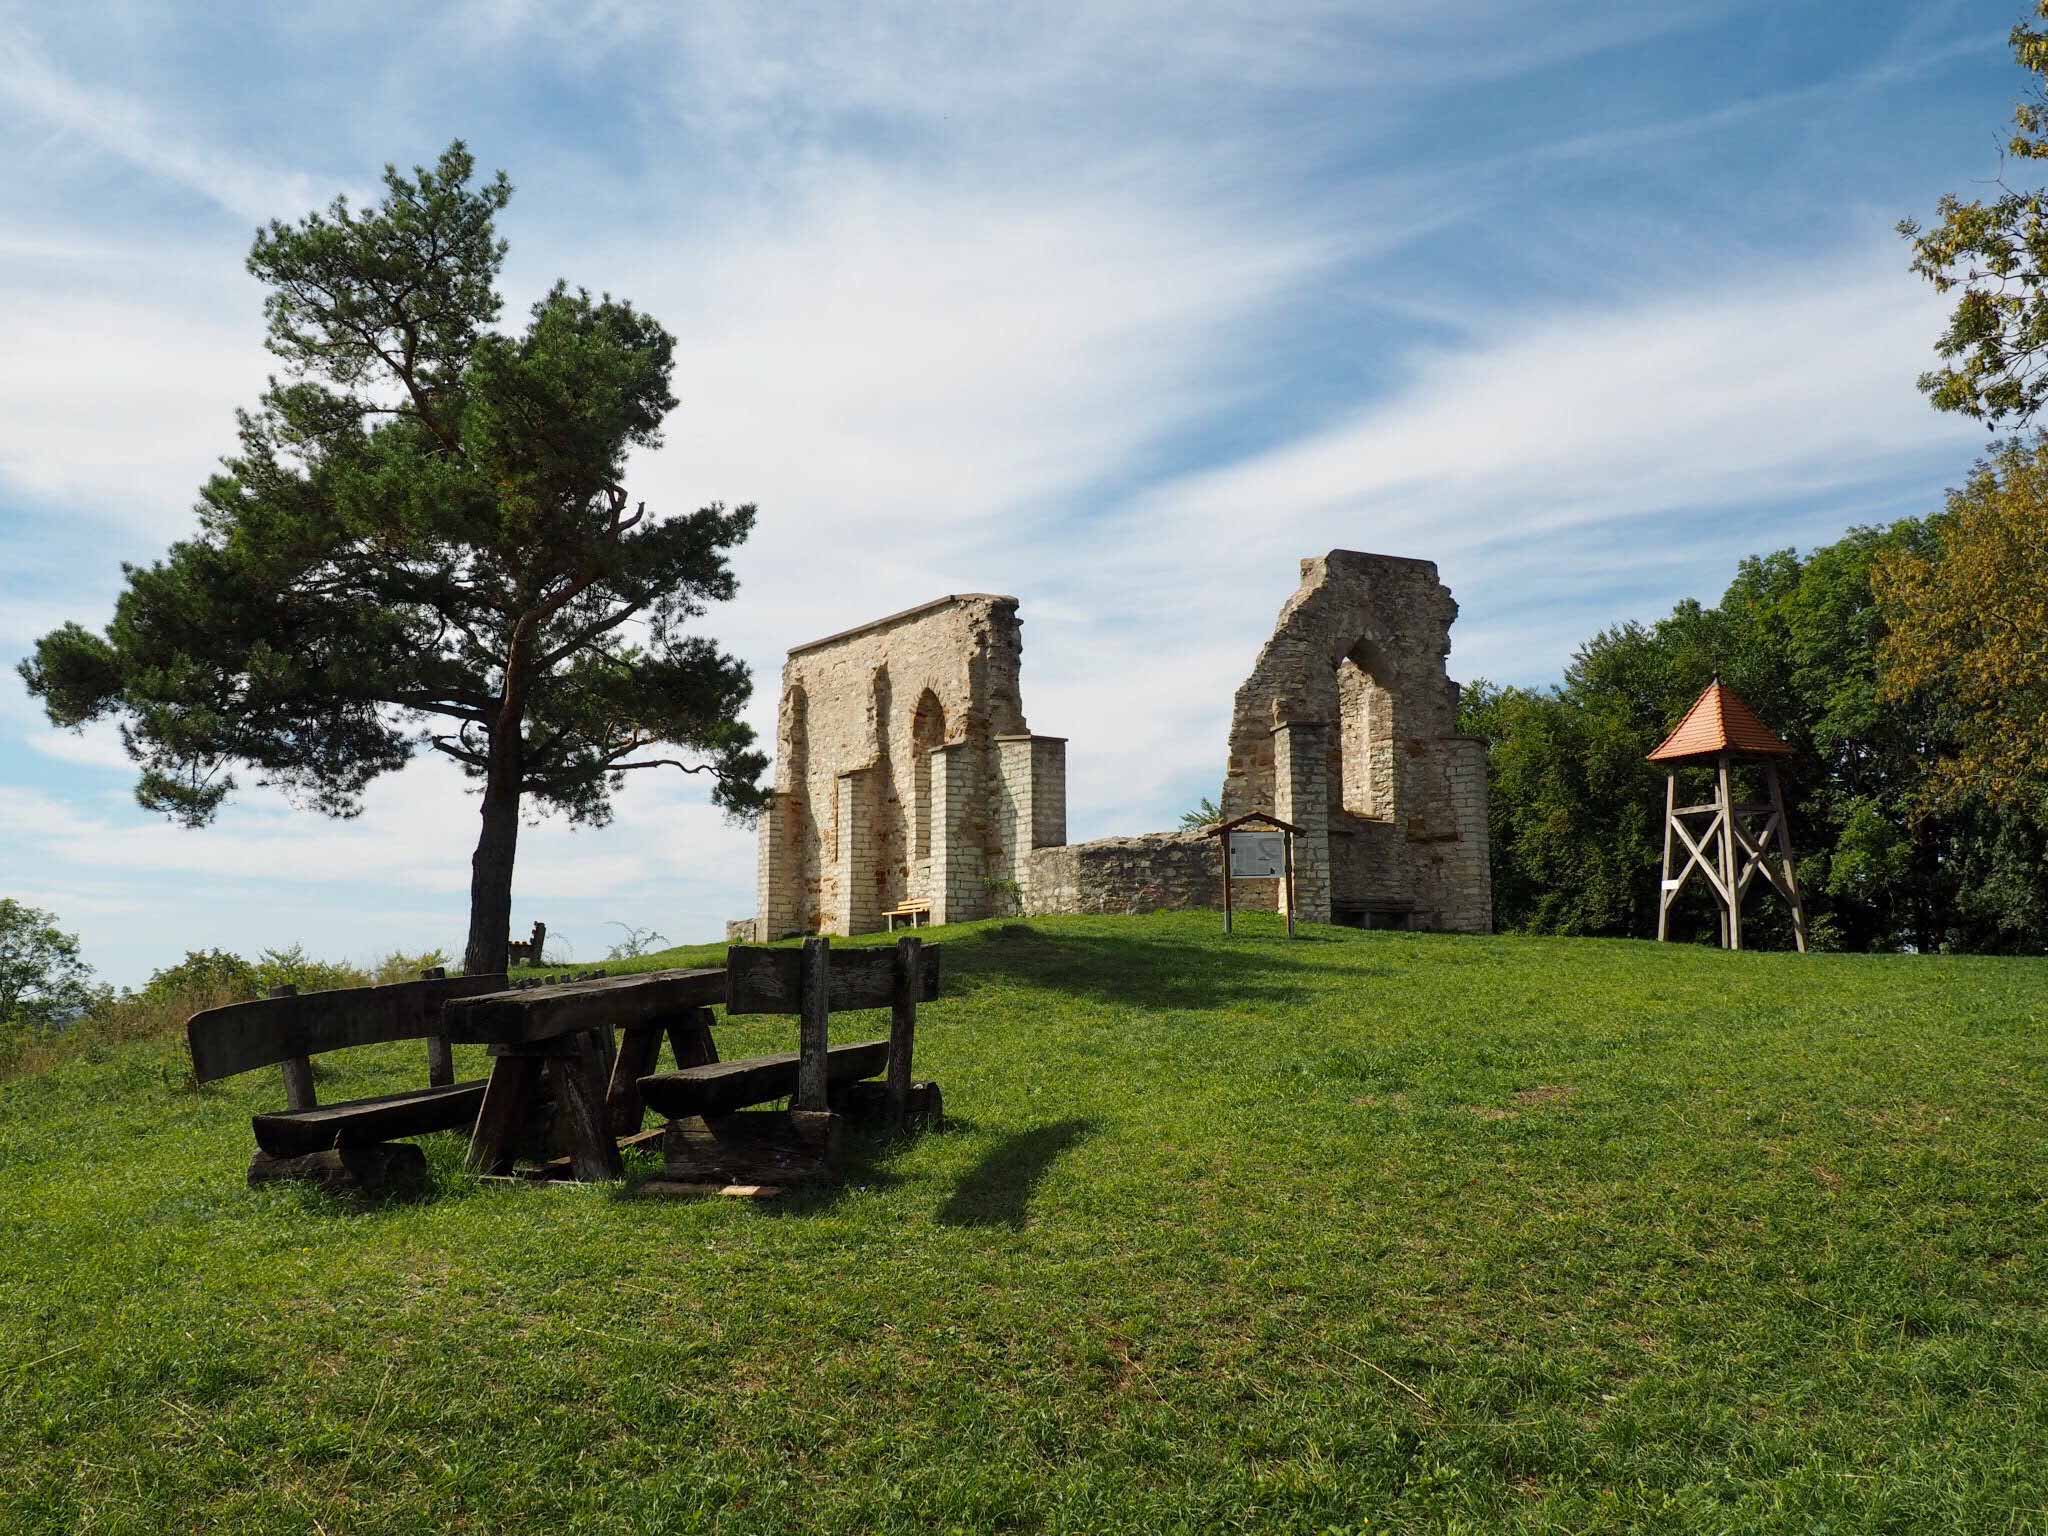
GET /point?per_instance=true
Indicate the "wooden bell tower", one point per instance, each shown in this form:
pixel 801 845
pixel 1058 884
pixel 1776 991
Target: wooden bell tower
pixel 1731 845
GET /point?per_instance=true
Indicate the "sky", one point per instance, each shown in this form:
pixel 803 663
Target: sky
pixel 1122 307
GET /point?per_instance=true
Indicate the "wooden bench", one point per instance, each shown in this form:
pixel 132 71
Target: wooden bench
pixel 1383 914
pixel 353 1144
pixel 916 913
pixel 714 1138
pixel 528 951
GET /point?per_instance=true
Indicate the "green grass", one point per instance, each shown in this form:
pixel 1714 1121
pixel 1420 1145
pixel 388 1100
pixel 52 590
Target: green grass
pixel 1362 1232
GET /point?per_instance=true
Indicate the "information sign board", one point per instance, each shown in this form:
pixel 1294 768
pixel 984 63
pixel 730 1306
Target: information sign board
pixel 1259 855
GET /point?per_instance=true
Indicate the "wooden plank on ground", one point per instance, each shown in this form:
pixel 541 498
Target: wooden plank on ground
pixel 388 1118
pixel 771 980
pixel 243 1036
pixel 754 1147
pixel 367 1168
pixel 729 1085
pixel 563 1168
pixel 517 1018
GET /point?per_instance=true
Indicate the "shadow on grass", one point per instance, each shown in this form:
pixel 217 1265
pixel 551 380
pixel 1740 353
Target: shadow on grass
pixel 997 1190
pixel 1137 971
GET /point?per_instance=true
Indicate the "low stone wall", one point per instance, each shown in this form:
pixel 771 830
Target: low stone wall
pixel 1158 872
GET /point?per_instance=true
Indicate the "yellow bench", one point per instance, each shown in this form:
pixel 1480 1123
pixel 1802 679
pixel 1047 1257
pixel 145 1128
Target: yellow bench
pixel 918 913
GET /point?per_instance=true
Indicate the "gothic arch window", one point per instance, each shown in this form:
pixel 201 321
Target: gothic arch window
pixel 1365 782
pixel 927 732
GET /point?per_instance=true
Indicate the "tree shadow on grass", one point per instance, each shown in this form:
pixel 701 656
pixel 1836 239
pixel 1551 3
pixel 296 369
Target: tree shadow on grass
pixel 997 1190
pixel 1137 970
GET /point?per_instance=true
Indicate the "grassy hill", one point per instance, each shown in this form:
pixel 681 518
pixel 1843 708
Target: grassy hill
pixel 1368 1231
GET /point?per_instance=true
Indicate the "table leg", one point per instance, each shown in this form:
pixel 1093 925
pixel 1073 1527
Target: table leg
pixel 508 1099
pixel 578 1076
pixel 691 1039
pixel 639 1055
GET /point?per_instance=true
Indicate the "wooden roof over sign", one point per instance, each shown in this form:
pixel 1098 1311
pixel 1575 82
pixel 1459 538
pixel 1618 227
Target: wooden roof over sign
pixel 1232 825
pixel 1719 721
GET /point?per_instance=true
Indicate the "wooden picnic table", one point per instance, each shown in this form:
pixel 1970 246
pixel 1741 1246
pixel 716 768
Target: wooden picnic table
pixel 565 1033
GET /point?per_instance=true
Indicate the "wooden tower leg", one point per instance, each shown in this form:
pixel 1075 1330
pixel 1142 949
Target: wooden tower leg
pixel 1732 925
pixel 1667 888
pixel 1798 897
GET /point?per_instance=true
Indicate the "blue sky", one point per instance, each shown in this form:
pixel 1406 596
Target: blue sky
pixel 1120 307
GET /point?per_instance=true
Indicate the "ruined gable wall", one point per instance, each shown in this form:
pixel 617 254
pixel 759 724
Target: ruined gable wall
pixel 1395 611
pixel 844 842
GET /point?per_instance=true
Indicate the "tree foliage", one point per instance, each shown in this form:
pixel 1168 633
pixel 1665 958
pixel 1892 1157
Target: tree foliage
pixel 1993 254
pixel 1968 623
pixel 44 982
pixel 1576 810
pixel 424 540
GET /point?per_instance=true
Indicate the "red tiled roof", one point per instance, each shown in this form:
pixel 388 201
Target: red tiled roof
pixel 1720 722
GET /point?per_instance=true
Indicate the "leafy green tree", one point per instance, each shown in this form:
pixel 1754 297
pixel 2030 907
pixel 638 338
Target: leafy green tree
pixel 1570 831
pixel 1993 253
pixel 425 541
pixel 43 980
pixel 1205 814
pixel 1967 621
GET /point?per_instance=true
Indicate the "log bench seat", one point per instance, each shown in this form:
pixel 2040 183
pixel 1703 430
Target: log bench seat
pixel 352 1146
pixel 292 1132
pixel 721 1087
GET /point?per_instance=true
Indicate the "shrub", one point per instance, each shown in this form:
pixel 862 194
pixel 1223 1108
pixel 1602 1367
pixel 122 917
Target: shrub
pixel 293 968
pixel 400 966
pixel 209 971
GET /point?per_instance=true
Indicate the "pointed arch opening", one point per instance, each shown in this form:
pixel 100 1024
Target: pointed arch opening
pixel 794 776
pixel 927 734
pixel 1364 778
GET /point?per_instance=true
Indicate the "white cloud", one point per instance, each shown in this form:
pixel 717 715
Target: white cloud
pixel 120 382
pixel 119 124
pixel 97 746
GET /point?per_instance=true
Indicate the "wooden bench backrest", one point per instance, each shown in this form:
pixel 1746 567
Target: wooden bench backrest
pixel 243 1036
pixel 771 980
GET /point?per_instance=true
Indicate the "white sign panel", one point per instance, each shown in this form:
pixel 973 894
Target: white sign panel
pixel 1258 855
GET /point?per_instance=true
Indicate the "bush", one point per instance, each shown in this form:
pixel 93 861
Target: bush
pixel 205 978
pixel 210 971
pixel 400 966
pixel 293 968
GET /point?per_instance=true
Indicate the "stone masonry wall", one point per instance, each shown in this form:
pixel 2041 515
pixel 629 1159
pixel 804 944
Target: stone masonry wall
pixel 1160 872
pixel 1358 658
pixel 890 777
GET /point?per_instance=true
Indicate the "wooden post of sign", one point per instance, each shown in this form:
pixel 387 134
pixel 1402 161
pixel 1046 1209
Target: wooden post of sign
pixel 1224 841
pixel 1287 861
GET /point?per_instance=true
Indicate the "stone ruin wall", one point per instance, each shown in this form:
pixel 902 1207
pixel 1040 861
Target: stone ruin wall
pixel 904 772
pixel 1347 727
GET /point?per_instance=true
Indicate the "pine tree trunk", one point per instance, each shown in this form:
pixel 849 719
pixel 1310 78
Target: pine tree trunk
pixel 490 868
